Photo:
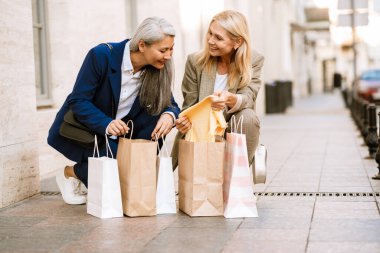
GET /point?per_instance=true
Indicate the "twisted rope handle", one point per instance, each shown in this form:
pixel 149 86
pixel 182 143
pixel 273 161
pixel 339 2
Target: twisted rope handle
pixel 164 145
pixel 235 125
pixel 95 147
pixel 130 137
pixel 108 147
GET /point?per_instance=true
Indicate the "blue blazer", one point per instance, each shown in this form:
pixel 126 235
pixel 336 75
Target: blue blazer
pixel 95 98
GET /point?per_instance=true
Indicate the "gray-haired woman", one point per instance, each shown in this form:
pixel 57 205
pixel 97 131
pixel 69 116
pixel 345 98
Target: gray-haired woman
pixel 117 82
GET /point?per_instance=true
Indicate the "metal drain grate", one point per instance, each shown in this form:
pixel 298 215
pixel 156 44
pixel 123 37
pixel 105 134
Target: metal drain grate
pixel 46 193
pixel 319 194
pixel 289 194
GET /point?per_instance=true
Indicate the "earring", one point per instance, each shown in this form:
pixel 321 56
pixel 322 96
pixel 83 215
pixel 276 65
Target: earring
pixel 236 48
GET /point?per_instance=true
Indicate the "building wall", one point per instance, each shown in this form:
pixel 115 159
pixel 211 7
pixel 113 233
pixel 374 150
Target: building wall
pixel 19 173
pixel 269 23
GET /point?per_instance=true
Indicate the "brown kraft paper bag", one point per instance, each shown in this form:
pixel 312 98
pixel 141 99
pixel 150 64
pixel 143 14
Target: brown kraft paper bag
pixel 200 172
pixel 137 171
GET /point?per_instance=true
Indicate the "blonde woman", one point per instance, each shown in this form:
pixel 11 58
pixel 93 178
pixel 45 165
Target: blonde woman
pixel 229 68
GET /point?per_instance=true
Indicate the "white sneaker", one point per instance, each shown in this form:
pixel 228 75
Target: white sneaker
pixel 81 190
pixel 69 188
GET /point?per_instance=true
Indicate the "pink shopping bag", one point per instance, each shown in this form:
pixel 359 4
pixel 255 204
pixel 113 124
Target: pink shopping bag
pixel 238 197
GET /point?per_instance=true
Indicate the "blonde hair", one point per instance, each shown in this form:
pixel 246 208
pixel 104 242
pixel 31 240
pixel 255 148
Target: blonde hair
pixel 239 71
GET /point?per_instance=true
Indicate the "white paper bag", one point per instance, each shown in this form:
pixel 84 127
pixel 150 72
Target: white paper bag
pixel 104 195
pixel 239 200
pixel 165 196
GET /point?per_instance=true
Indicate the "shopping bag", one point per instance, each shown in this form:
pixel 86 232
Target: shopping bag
pixel 165 196
pixel 259 166
pixel 239 200
pixel 137 169
pixel 200 172
pixel 103 195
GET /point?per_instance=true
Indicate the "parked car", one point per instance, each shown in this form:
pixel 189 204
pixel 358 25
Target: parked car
pixel 368 85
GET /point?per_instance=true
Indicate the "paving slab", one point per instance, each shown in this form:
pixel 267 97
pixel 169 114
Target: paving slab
pixel 344 247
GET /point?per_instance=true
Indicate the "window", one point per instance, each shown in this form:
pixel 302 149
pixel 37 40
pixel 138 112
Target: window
pixel 41 61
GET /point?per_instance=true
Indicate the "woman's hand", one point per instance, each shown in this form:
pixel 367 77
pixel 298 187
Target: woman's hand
pixel 183 124
pixel 223 99
pixel 218 102
pixel 163 126
pixel 117 127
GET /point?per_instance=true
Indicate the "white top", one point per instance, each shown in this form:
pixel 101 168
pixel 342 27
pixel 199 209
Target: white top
pixel 130 85
pixel 220 82
pixel 221 85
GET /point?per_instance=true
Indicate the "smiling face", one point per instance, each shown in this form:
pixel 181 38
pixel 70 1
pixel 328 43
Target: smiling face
pixel 158 53
pixel 220 43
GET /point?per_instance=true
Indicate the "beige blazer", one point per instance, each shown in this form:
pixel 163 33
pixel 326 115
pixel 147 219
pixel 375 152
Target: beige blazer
pixel 198 84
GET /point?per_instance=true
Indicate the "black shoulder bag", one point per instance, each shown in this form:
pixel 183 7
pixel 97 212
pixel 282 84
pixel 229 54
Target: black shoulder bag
pixel 75 131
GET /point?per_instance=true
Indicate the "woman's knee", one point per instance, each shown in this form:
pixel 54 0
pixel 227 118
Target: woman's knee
pixel 249 119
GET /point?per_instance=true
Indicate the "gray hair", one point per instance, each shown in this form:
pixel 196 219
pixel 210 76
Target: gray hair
pixel 151 30
pixel 156 84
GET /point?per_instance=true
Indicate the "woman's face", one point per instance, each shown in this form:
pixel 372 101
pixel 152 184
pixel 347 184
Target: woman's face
pixel 220 44
pixel 159 53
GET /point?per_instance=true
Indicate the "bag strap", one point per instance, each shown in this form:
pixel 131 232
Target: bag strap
pixel 96 147
pixel 108 45
pixel 130 121
pixel 235 125
pixel 164 146
pixel 108 148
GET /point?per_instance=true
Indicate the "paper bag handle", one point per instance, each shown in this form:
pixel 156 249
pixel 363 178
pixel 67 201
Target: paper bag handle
pixel 235 125
pixel 164 145
pixel 130 137
pixel 108 148
pixel 96 148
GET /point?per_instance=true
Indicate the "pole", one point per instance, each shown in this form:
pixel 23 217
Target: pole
pixel 353 40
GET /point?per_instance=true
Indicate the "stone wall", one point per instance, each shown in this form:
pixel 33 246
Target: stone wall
pixel 19 173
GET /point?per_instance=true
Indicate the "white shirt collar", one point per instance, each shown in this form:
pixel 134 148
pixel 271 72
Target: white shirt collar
pixel 127 64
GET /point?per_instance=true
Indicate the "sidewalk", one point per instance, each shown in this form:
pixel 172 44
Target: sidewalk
pixel 319 197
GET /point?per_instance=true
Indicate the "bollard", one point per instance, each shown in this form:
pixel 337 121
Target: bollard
pixel 352 108
pixel 355 111
pixel 365 120
pixel 345 98
pixel 359 113
pixel 361 116
pixel 337 80
pixel 377 158
pixel 371 139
